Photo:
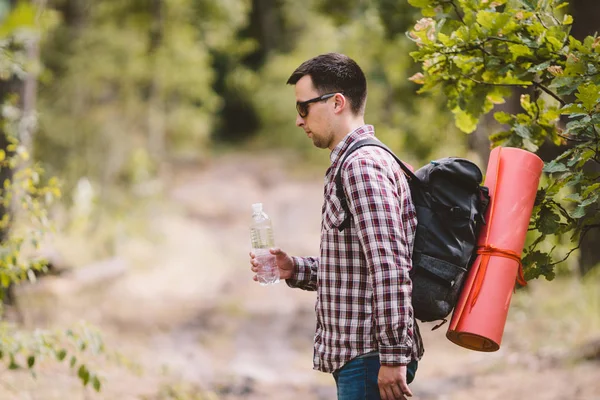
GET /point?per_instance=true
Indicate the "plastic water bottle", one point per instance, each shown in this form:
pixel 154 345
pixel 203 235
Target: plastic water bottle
pixel 261 236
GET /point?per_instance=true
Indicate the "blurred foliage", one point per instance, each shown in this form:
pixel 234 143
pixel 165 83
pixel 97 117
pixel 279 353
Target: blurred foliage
pixel 26 350
pixel 129 85
pixel 569 320
pixel 26 195
pixel 125 83
pixel 475 51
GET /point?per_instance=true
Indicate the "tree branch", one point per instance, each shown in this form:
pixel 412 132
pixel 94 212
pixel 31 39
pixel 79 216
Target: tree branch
pixel 538 85
pixel 501 39
pixel 597 140
pixel 494 84
pixel 548 91
pixel 457 11
pixel 570 138
pixel 564 212
pixel 585 230
pixel 567 256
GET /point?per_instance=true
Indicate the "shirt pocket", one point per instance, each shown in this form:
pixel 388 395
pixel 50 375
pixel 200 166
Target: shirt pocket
pixel 333 213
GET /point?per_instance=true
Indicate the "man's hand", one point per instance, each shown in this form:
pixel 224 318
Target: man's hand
pixel 392 383
pixel 283 261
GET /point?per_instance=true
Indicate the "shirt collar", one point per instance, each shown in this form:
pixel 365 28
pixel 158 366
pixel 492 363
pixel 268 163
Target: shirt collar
pixel 357 134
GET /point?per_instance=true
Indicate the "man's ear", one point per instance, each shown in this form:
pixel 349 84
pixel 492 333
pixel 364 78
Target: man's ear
pixel 340 103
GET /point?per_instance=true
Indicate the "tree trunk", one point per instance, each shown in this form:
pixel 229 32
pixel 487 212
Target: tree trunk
pixel 266 28
pixel 29 122
pixel 586 14
pixel 8 88
pixel 156 109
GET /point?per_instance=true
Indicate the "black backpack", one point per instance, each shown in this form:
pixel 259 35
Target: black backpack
pixel 450 204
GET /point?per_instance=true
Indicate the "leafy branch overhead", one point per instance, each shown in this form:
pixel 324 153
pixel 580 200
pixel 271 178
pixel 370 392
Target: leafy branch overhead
pixel 477 52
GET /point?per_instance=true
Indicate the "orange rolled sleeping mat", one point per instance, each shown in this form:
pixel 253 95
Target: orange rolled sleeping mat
pixel 480 314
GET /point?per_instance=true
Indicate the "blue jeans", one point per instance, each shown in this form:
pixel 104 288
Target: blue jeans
pixel 357 379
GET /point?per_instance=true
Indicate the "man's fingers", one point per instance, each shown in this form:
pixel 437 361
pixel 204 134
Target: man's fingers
pixel 404 387
pixel 254 265
pixel 386 393
pixel 396 391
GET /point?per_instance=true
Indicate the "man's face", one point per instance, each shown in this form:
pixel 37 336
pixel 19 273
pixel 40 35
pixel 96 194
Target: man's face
pixel 317 123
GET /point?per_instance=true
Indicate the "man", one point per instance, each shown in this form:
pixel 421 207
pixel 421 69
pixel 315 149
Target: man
pixel 366 334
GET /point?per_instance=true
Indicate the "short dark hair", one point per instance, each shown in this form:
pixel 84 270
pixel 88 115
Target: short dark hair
pixel 334 72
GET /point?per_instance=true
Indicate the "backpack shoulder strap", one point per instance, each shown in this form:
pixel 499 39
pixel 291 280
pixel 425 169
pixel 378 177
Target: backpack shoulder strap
pixel 339 186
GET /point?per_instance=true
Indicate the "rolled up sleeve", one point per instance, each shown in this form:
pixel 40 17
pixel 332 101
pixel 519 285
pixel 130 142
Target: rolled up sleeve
pixel 305 275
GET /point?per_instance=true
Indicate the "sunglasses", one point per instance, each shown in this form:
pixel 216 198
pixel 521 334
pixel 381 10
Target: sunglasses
pixel 302 106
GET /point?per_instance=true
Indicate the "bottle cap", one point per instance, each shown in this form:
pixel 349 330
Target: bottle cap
pixel 257 207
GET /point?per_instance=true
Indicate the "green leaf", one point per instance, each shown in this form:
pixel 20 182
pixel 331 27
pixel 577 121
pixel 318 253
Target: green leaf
pixel 540 67
pixel 529 4
pixel 419 3
pixel 578 124
pixel 565 84
pixel 576 197
pixel 574 179
pixel 555 44
pixel 30 361
pixel 591 189
pixel 554 167
pixel 578 212
pixel 523 131
pixel 487 19
pixel 464 121
pixel 548 223
pixel 96 383
pixel 73 361
pixel 590 200
pixel 572 108
pixel 61 354
pixel 12 364
pixel 500 136
pixel 22 16
pixel 503 117
pixel 536 264
pixel 83 374
pixel 589 95
pixel 519 50
pixel 567 19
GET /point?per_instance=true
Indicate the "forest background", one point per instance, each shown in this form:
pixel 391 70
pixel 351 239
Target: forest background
pixel 141 131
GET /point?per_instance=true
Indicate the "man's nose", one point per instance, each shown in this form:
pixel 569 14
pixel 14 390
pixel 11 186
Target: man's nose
pixel 299 120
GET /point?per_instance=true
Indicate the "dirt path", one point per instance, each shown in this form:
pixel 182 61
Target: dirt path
pixel 188 312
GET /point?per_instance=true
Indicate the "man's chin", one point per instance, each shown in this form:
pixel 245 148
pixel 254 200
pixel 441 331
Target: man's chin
pixel 318 144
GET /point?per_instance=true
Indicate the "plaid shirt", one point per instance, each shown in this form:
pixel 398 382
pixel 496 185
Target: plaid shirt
pixel 362 276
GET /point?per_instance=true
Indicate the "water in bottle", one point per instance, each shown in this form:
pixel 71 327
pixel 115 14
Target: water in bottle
pixel 261 236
